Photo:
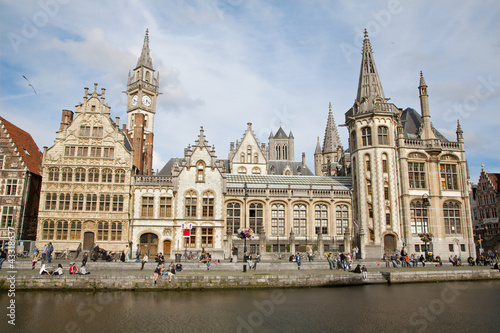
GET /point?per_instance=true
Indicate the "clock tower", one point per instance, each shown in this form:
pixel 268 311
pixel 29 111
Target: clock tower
pixel 142 92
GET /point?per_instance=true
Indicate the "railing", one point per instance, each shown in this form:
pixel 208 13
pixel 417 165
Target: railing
pixel 160 180
pixel 446 145
pixel 283 192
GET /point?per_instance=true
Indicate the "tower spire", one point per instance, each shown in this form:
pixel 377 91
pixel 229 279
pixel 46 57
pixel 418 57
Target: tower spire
pixel 369 86
pixel 332 139
pixel 424 106
pixel 145 58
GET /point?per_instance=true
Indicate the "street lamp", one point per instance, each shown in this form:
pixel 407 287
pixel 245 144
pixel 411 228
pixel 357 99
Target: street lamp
pixel 245 239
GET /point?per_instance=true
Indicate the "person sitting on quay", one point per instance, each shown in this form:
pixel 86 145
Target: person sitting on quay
pixel 144 261
pixel 58 271
pixel 450 259
pixel 43 270
pixel 256 260
pixel 178 267
pixel 83 270
pixel 439 262
pixel 73 269
pixel 249 260
pixel 414 261
pixel 36 257
pixel 471 261
pixel 168 272
pixel 85 258
pixel 422 260
pixel 208 260
pixel 394 263
pixel 357 270
pixel 159 258
pixel 364 271
pixel 157 272
pixel 297 259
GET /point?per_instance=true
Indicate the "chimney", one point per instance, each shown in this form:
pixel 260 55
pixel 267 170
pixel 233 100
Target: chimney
pixel 66 119
pixel 303 160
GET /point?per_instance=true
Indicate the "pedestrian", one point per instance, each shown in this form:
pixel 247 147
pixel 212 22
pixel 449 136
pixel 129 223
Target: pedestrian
pixel 249 261
pixel 85 258
pixel 127 254
pixel 256 260
pixel 208 259
pixel 50 249
pixel 298 259
pixel 144 261
pixel 234 252
pixel 364 271
pixel 310 254
pixel 36 257
pixel 3 257
pixel 122 257
pixel 138 252
pixel 422 260
pixel 331 261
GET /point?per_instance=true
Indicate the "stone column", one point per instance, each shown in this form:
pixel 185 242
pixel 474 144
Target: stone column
pixel 347 241
pixel 292 242
pixel 262 242
pixel 321 248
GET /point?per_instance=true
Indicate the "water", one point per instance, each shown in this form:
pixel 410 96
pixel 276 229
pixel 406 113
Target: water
pixel 437 307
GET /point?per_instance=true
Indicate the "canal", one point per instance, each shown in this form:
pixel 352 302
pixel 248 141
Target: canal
pixel 430 307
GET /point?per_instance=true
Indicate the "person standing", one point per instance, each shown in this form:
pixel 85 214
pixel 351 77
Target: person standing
pixel 310 254
pixel 138 252
pixel 144 261
pixel 85 259
pixel 256 260
pixel 298 260
pixel 234 252
pixel 50 249
pixel 331 261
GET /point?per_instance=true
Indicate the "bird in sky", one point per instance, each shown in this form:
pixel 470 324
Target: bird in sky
pixel 29 83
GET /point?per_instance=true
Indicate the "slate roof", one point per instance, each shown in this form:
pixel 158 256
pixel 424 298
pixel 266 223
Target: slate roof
pixel 412 122
pixel 26 146
pixel 295 166
pixel 494 179
pixel 336 183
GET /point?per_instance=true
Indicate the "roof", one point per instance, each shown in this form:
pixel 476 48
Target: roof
pixel 26 146
pixel 280 134
pixel 295 166
pixel 336 183
pixel 494 179
pixel 412 120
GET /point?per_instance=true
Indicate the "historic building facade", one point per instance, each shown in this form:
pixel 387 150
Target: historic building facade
pixel 20 181
pixel 399 178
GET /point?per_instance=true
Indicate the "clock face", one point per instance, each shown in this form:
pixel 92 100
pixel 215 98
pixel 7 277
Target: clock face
pixel 135 99
pixel 146 100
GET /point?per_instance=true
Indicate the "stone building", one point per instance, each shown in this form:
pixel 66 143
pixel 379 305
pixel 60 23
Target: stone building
pixel 20 181
pixel 488 206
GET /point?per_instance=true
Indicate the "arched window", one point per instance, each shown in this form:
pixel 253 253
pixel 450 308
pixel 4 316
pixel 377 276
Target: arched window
pixel 342 218
pixel 366 135
pixel 321 219
pixel 242 158
pixel 249 154
pixel 383 138
pixel 233 212
pixel 300 219
pixel 79 175
pixel 207 204
pixel 104 203
pixel 48 230
pixel 256 171
pixel 51 201
pixel 384 163
pixel 107 176
pixel 255 158
pixel 93 175
pixel 200 172
pixel 91 202
pixel 62 230
pixel 120 176
pixel 242 170
pixel 77 201
pixel 451 211
pixel 255 213
pixel 67 175
pixel 148 76
pixel 190 204
pixel 353 140
pixel 116 231
pixel 278 219
pixel 386 191
pixel 118 203
pixel 75 231
pixel 103 231
pixel 418 217
pixel 64 201
pixel 368 163
pixel 53 174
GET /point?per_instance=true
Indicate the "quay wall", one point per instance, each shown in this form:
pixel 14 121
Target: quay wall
pixel 179 282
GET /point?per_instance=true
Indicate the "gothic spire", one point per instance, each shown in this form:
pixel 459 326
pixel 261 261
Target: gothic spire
pixel 332 139
pixel 145 58
pixel 369 86
pixel 318 148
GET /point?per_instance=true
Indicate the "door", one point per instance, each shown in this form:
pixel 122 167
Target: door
pixel 88 241
pixel 166 248
pixel 389 243
pixel 149 244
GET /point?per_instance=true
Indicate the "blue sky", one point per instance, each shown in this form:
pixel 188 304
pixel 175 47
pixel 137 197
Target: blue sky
pixel 224 63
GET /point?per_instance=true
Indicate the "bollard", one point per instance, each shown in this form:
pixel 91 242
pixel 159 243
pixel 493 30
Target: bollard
pixel 244 268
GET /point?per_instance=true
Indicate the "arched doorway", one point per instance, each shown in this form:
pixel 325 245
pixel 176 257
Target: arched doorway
pixel 389 243
pixel 166 248
pixel 149 244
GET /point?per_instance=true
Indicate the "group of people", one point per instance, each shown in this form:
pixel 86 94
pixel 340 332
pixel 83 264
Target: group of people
pixel 162 270
pixel 405 260
pixel 361 270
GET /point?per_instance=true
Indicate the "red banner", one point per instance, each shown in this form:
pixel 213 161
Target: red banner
pixel 186 233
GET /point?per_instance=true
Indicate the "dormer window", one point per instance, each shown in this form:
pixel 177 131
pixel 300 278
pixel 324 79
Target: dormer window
pixel 200 172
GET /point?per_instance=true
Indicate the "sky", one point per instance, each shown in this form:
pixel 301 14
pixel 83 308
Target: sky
pixel 224 63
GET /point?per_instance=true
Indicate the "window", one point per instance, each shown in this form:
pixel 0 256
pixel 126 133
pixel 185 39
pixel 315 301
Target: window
pixel 278 219
pixel 117 203
pixel 93 175
pixel 353 138
pixel 207 237
pixel 64 201
pixel 255 213
pixel 342 219
pixel 387 218
pixel 299 219
pixel 386 192
pixel 97 132
pixel 255 158
pixel 242 158
pixel 165 207
pixel 11 187
pixel 82 152
pixel 462 247
pixel 418 217
pixel 69 151
pixel 116 231
pixel 190 204
pixel 48 230
pixel 208 204
pixel 104 202
pixel 256 171
pixel 1 161
pixel 75 230
pixel 120 176
pixel 147 206
pixel 67 175
pixel 95 151
pixel 80 175
pixel 249 154
pixel 451 211
pixel 51 201
pixel 366 135
pixel 369 187
pixel 108 152
pixel 190 242
pixel 450 247
pixel 242 170
pixel 200 172
pixel 384 163
pixel 383 138
pixel 84 130
pixel 233 210
pixel 77 201
pixel 7 217
pixel 368 164
pixel 91 202
pixel 416 174
pixel 107 176
pixel 62 230
pixel 53 174
pixel 417 247
pixel 449 178
pixel 102 231
pixel 321 219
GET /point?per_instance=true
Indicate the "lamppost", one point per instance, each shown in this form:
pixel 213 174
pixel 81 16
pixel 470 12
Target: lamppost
pixel 245 239
pixel 425 204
